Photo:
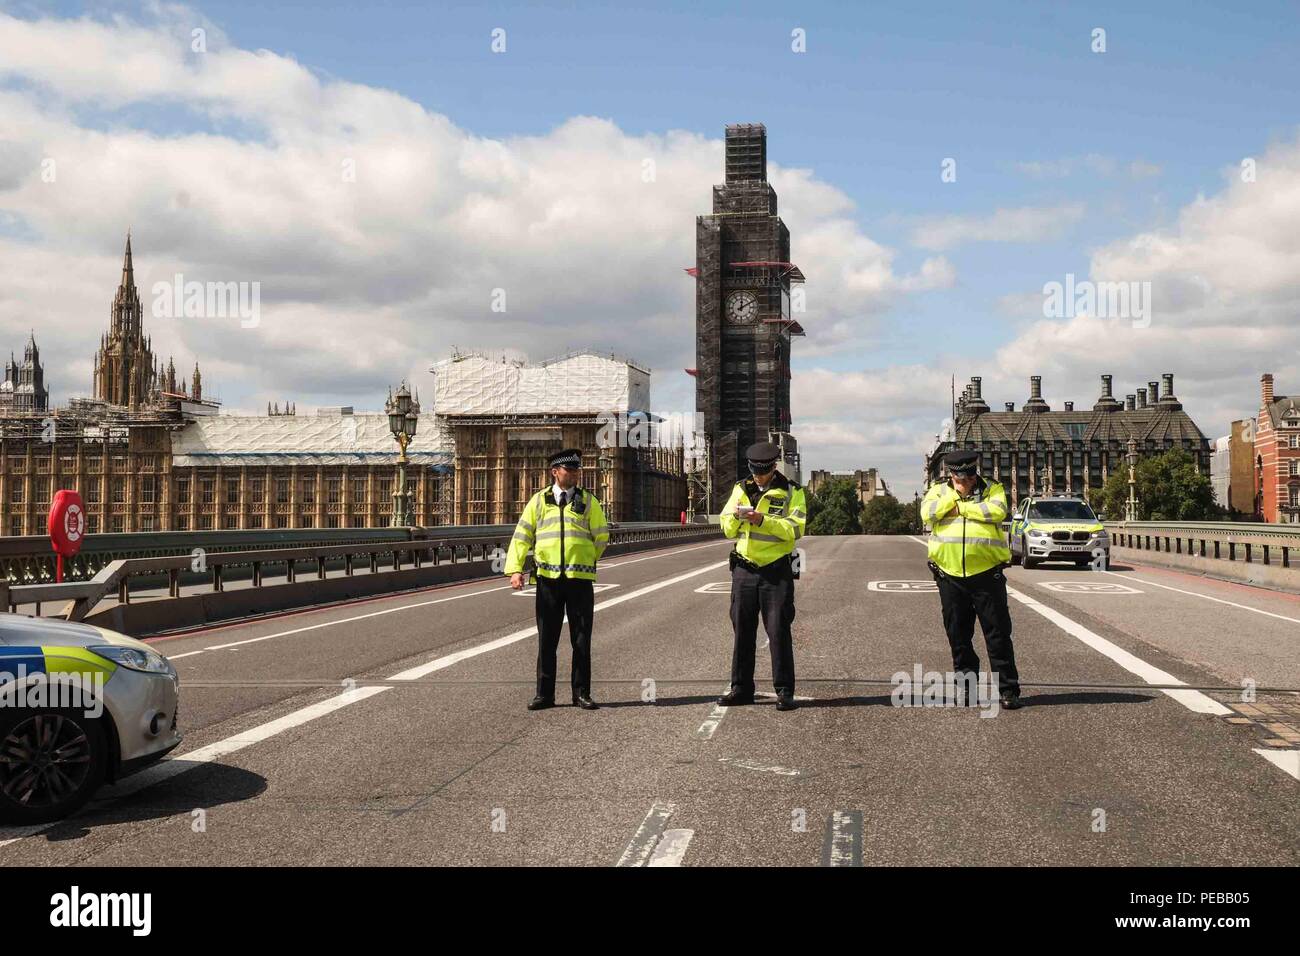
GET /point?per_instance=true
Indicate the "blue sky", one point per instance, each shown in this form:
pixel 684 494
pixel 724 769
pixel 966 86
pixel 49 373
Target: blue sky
pixel 1098 151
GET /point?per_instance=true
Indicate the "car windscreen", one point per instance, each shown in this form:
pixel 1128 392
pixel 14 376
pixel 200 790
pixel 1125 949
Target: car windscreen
pixel 1061 511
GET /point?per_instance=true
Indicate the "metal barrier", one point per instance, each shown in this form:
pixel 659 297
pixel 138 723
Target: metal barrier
pixel 459 547
pixel 1269 544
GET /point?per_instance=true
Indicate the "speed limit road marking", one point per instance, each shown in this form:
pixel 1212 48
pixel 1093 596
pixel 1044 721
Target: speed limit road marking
pixel 903 587
pixel 1088 587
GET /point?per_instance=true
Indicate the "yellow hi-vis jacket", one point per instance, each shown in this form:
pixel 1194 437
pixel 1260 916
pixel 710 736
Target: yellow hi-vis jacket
pixel 569 540
pixel 966 533
pixel 784 510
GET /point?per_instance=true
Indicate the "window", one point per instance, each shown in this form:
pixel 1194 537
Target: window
pixel 92 524
pixel 148 487
pixel 308 493
pixel 255 490
pixel 41 487
pixel 205 523
pixel 1293 466
pixel 16 525
pixel 282 521
pixel 207 490
pixel 182 522
pixel 232 491
pixel 119 492
pixel 306 521
pixel 281 493
pixel 230 522
pixel 359 491
pixel 183 491
pixel 255 521
pixel 117 524
pixel 146 522
pixel 16 493
pixel 1294 441
pixel 334 490
pixel 358 521
pixel 331 521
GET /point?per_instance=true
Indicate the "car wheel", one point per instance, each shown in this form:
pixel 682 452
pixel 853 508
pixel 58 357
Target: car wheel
pixel 1027 561
pixel 52 760
pixel 1015 558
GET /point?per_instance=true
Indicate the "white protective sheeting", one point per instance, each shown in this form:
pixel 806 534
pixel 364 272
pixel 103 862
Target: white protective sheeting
pixel 583 384
pixel 296 439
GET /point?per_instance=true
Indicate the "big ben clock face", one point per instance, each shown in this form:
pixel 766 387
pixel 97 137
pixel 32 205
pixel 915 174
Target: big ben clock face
pixel 742 308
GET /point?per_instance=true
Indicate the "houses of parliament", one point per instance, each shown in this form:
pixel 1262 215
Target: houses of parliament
pixel 148 451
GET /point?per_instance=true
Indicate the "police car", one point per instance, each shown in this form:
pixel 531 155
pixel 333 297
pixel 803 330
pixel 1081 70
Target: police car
pixel 79 706
pixel 1056 528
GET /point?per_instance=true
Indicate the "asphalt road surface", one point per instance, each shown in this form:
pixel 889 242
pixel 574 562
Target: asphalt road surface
pixel 394 731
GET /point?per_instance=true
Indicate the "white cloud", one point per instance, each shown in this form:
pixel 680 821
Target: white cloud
pixel 1023 224
pixel 364 281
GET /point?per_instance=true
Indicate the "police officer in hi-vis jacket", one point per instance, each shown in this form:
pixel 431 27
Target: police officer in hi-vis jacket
pixel 766 515
pixel 565 528
pixel 967 552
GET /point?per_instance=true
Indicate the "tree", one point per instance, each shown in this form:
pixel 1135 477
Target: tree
pixel 1169 487
pixel 885 514
pixel 835 508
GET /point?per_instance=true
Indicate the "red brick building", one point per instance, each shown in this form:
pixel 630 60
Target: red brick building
pixel 1277 455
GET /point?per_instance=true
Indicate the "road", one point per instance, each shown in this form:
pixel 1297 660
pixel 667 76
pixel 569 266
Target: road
pixel 394 731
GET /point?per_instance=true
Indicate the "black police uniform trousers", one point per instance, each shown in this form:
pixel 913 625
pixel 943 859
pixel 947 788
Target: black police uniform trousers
pixel 982 595
pixel 555 598
pixel 768 591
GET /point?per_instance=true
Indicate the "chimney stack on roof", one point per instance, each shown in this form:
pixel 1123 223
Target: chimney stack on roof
pixel 1011 406
pixel 1153 392
pixel 1142 397
pixel 1069 406
pixel 1036 403
pixel 975 395
pixel 1266 388
pixel 1130 402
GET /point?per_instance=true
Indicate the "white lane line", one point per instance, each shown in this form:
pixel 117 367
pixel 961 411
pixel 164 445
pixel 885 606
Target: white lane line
pixel 745 764
pixel 204 755
pixel 647 835
pixel 407 607
pixel 1193 700
pixel 1287 760
pixel 1244 607
pixel 415 673
pixel 843 842
pixel 710 725
pixel 672 848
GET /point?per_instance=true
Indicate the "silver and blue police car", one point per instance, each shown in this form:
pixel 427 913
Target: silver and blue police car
pixel 1057 528
pixel 79 706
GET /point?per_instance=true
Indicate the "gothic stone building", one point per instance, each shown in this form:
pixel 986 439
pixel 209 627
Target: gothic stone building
pixel 743 317
pixel 1039 451
pixel 23 390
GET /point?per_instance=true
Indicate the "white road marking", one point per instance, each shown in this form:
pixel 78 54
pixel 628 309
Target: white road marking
pixel 204 755
pixel 745 764
pixel 768 693
pixel 1087 587
pixel 1244 607
pixel 531 590
pixel 1193 700
pixel 715 587
pixel 1287 760
pixel 710 725
pixel 903 587
pixel 843 843
pixel 672 848
pixel 410 607
pixel 647 835
pixel 415 673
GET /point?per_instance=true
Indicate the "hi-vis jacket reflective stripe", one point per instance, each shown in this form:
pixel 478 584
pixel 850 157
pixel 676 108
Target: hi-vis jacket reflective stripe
pixel 966 533
pixel 784 510
pixel 571 541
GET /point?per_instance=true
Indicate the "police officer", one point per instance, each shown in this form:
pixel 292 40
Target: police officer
pixel 766 515
pixel 565 528
pixel 967 552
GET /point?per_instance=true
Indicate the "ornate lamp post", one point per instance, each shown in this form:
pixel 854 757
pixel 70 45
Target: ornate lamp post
pixel 1131 506
pixel 403 415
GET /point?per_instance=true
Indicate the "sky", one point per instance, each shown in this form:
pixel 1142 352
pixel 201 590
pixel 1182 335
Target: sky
pixel 392 176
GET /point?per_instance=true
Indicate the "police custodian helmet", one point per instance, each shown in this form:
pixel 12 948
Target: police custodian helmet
pixel 762 457
pixel 569 456
pixel 963 463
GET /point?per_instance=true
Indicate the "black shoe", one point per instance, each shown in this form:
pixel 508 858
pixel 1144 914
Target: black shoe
pixel 541 703
pixel 1010 702
pixel 734 698
pixel 785 702
pixel 585 702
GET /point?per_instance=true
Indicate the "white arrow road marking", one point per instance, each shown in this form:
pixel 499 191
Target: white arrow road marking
pixel 1287 760
pixel 672 848
pixel 762 767
pixel 647 835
